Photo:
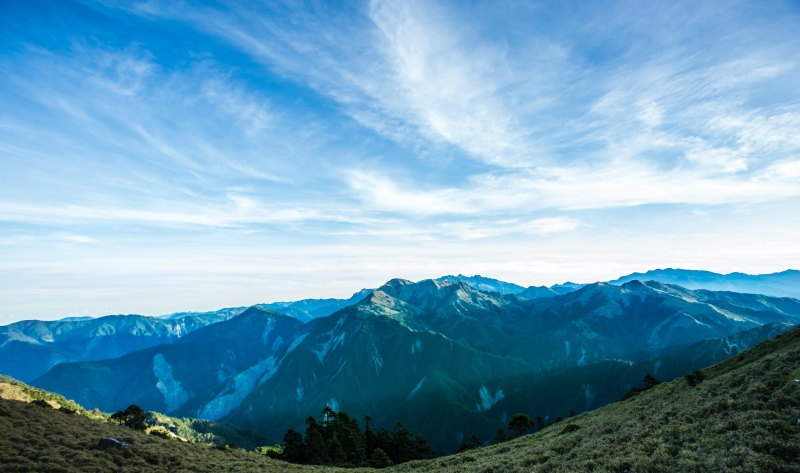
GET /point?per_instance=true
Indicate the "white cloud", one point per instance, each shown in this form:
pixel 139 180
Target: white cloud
pixel 572 188
pixel 239 212
pixel 516 141
pixel 546 226
pixel 448 88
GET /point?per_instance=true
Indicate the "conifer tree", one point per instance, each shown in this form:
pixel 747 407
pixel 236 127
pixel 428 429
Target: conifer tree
pixel 540 423
pixel 520 423
pixel 316 448
pixel 472 443
pixel 293 447
pixel 379 459
pixel 500 436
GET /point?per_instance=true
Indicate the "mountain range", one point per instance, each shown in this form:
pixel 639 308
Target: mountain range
pixel 31 347
pixel 782 284
pixel 738 415
pixel 449 359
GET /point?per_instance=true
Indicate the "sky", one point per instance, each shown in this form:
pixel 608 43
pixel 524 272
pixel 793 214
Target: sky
pixel 166 156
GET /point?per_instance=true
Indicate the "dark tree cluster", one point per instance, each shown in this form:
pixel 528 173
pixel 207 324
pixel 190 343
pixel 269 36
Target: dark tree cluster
pixel 694 378
pixel 519 424
pixel 648 382
pixel 337 440
pixel 133 416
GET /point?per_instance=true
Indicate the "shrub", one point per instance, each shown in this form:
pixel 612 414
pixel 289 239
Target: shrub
pixel 133 416
pixel 379 459
pixel 694 378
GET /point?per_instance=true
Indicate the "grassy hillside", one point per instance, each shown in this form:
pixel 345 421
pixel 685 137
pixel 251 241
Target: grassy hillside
pixel 37 438
pixel 12 389
pixel 743 417
pixel 191 430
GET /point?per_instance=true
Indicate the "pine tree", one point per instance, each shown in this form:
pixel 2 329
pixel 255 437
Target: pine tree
pixel 472 443
pixel 500 436
pixel 403 445
pixel 370 440
pixel 293 447
pixel 424 450
pixel 336 455
pixel 316 448
pixel 379 459
pixel 520 423
pixel 649 381
pixel 352 440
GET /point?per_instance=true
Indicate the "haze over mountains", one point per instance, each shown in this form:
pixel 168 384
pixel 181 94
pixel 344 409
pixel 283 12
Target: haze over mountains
pixel 782 284
pixel 451 357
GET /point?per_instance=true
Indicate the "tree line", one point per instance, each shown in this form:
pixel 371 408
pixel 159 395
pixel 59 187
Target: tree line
pixel 520 424
pixel 337 440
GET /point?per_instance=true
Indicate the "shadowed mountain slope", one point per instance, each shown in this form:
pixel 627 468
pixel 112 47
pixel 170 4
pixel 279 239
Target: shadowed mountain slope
pixel 742 417
pixel 31 347
pixel 165 377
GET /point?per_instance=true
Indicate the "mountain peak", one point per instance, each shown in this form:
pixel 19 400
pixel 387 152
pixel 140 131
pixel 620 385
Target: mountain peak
pixel 485 284
pixel 395 283
pixel 256 312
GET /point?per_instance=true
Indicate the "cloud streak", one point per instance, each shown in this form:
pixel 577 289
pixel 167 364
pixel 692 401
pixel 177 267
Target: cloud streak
pixel 384 138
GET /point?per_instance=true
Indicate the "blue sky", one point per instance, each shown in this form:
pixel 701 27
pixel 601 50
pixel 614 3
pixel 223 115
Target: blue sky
pixel 164 156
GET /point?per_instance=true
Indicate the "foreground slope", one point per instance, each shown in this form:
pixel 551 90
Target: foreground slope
pixel 743 417
pixel 34 438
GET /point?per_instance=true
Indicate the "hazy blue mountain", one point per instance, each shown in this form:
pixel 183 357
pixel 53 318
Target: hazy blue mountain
pixel 309 309
pixel 565 288
pixel 225 313
pixel 31 347
pixel 303 310
pixel 536 292
pixel 601 321
pixel 484 284
pixel 75 319
pixel 782 284
pixel 166 377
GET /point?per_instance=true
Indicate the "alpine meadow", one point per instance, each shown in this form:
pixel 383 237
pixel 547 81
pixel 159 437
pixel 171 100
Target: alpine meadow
pixel 399 235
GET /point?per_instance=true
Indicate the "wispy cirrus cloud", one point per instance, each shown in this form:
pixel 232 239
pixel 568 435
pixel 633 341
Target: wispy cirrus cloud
pixel 291 142
pixel 412 70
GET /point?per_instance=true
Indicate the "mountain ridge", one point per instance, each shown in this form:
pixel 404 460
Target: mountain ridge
pixel 444 348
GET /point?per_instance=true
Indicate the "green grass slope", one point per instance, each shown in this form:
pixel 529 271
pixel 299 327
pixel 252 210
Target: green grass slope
pixel 187 429
pixel 37 438
pixel 744 417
